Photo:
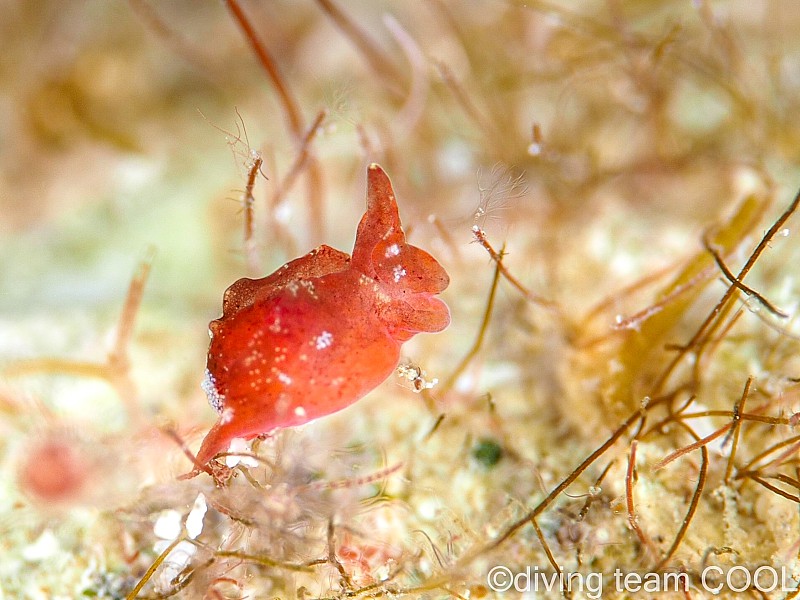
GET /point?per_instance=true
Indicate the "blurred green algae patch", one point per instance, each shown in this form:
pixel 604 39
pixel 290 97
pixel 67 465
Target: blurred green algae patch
pixel 598 144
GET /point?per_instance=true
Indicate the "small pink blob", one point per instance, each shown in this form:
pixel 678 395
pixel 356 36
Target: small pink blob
pixel 54 472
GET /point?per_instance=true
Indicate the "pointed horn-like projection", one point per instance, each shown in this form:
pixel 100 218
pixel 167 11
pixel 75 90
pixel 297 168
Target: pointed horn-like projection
pixel 380 220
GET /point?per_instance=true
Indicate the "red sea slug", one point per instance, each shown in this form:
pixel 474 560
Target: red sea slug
pixel 323 330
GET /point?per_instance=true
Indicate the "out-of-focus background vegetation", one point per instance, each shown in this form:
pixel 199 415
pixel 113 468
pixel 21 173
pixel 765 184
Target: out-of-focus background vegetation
pixel 598 142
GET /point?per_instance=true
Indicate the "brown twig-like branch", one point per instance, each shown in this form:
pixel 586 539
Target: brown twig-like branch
pixel 514 527
pixel 635 321
pixel 748 291
pixel 170 432
pixel 706 326
pixel 65 366
pixel 200 61
pixel 411 112
pixel 346 580
pixel 737 426
pixel 497 257
pixel 264 561
pixel 793 444
pixel 693 504
pixel 633 521
pixel 248 200
pixel 468 106
pixel 131 308
pixel 487 315
pixel 700 443
pixel 742 416
pixel 772 488
pixel 116 368
pixel 299 163
pixel 118 362
pixel 379 61
pixel 551 559
pixel 591 497
pixel 152 569
pixel 291 110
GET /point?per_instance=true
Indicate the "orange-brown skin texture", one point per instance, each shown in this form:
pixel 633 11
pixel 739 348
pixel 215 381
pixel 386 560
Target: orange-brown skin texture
pixel 323 330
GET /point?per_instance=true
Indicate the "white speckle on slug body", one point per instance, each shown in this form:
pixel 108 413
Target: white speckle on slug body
pixel 323 340
pixel 276 325
pixel 308 286
pixel 215 399
pixel 398 272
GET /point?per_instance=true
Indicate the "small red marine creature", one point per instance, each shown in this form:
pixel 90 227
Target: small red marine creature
pixel 323 330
